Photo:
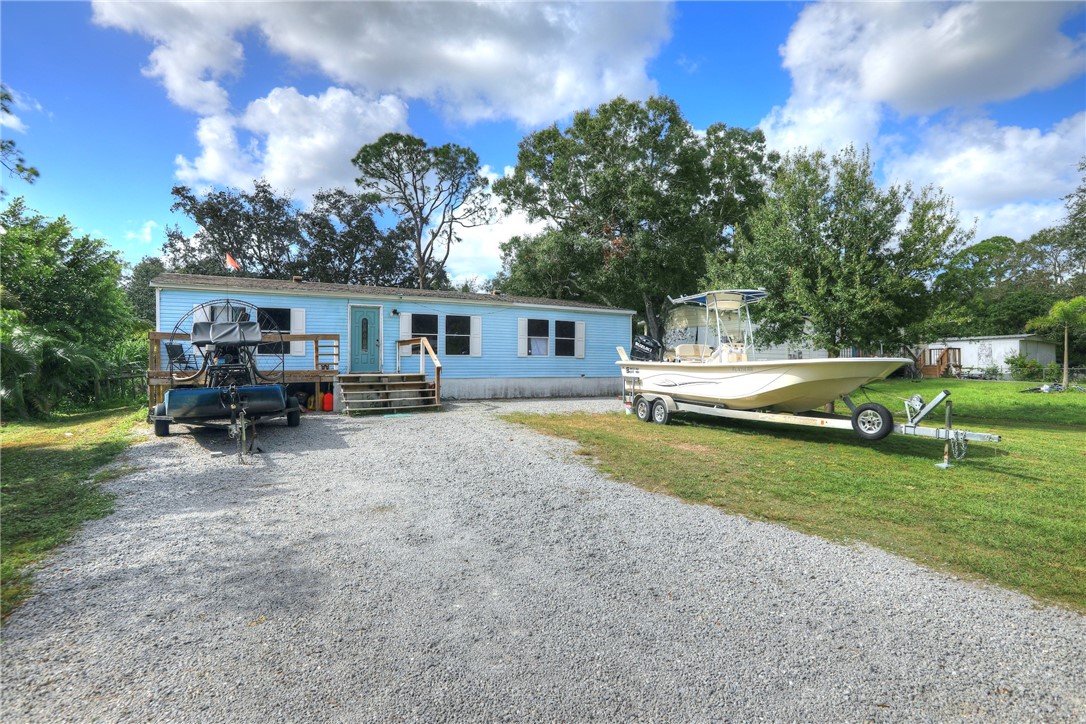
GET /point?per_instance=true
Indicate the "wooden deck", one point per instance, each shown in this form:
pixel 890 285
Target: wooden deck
pixel 325 364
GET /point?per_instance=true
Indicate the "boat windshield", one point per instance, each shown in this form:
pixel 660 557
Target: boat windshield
pixel 727 313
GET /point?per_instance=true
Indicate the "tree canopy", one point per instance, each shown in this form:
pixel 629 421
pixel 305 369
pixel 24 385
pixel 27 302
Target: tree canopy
pixel 337 240
pixel 633 199
pixel 433 190
pixel 11 158
pixel 62 311
pixel 846 264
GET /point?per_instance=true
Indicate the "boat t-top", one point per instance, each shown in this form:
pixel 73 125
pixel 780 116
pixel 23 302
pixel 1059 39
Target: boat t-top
pixel 728 375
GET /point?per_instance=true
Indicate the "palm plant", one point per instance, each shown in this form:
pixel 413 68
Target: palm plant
pixel 1068 315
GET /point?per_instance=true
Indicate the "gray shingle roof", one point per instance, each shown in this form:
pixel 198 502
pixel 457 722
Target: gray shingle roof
pixel 287 286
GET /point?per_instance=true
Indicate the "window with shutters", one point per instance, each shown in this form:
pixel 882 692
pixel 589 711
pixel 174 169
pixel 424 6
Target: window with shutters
pixel 457 334
pixel 274 319
pixel 424 325
pixel 539 333
pixel 565 339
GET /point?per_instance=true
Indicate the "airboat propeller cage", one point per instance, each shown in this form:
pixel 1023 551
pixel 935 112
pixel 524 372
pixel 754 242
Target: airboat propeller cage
pixel 237 334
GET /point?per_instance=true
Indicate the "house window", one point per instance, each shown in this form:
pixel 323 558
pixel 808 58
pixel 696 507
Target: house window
pixel 457 334
pixel 272 320
pixel 539 333
pixel 565 339
pixel 424 325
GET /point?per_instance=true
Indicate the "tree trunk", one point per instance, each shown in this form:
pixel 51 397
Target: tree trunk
pixel 652 325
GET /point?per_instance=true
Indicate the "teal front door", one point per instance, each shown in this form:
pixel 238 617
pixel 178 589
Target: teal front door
pixel 365 345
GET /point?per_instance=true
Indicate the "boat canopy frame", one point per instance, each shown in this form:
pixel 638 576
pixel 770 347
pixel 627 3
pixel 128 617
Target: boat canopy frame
pixel 727 301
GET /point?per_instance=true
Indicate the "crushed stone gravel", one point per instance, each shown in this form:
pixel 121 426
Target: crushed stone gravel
pixel 452 566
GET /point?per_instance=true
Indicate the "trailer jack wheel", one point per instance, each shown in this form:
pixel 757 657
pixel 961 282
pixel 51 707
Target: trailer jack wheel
pixel 872 421
pixel 660 415
pixel 643 409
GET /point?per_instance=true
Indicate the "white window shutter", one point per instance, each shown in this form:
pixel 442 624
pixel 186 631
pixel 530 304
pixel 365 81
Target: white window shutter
pixel 578 343
pixel 297 326
pixel 476 341
pixel 405 332
pixel 522 337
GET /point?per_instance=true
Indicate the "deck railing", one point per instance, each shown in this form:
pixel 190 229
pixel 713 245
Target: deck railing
pixel 160 376
pixel 424 346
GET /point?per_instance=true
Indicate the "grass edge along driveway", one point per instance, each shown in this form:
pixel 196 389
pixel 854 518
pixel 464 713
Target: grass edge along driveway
pixel 1011 513
pixel 48 487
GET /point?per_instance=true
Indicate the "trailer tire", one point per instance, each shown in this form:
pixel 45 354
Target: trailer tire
pixel 294 415
pixel 660 414
pixel 643 409
pixel 872 421
pixel 162 427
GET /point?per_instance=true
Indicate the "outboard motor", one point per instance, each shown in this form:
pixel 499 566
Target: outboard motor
pixel 646 349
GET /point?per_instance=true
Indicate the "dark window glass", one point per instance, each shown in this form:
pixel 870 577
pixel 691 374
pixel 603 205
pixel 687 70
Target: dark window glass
pixel 565 339
pixel 424 325
pixel 457 334
pixel 539 332
pixel 364 334
pixel 274 319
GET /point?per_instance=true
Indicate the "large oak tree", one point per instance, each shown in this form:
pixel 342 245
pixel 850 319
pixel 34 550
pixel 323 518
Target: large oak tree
pixel 634 198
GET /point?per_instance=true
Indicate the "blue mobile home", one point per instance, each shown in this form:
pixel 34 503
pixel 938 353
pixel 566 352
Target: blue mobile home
pixel 489 345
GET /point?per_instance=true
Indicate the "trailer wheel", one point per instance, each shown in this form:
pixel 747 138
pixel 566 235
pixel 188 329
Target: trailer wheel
pixel 162 427
pixel 643 409
pixel 660 415
pixel 294 415
pixel 872 421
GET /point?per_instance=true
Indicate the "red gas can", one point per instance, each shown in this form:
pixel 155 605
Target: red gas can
pixel 327 405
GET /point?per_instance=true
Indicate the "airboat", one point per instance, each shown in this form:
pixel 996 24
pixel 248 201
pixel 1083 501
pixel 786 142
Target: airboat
pixel 232 372
pixel 725 380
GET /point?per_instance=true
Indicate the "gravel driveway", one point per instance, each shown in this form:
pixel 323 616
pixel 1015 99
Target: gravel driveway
pixel 452 566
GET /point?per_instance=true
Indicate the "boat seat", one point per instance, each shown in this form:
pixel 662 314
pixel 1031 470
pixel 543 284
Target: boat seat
pixel 729 353
pixel 693 352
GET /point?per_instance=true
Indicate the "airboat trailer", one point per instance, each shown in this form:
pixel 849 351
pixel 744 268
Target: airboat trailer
pixel 723 382
pixel 219 379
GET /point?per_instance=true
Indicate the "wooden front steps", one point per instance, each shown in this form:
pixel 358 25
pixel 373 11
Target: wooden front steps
pixel 385 393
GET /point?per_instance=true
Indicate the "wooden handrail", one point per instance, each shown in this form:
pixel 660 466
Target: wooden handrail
pixel 424 343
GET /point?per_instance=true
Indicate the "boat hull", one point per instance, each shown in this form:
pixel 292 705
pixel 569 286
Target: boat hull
pixel 208 403
pixel 783 385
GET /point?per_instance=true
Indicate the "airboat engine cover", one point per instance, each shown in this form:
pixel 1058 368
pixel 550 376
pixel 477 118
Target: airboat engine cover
pixel 235 334
pixel 646 349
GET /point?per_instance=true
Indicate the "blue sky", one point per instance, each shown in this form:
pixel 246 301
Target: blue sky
pixel 118 102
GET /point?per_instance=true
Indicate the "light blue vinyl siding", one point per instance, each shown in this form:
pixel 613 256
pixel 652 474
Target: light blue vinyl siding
pixel 329 315
pixel 603 332
pixel 322 316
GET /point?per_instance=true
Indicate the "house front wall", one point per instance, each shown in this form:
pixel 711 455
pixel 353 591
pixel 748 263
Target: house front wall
pixel 985 352
pixel 496 365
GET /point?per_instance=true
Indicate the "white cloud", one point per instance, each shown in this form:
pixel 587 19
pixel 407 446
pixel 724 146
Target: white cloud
pixel 851 61
pixel 531 62
pixel 479 252
pixel 933 56
pixel 298 143
pixel 985 165
pixel 856 65
pixel 1016 220
pixel 144 234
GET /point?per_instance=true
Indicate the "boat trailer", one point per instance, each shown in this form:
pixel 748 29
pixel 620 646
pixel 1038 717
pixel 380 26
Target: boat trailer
pixel 870 420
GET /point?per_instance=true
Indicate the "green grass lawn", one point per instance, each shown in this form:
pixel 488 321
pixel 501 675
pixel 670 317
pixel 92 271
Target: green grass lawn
pixel 46 488
pixel 1013 513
